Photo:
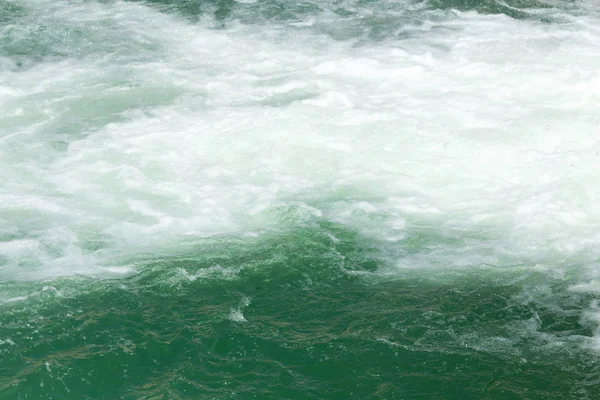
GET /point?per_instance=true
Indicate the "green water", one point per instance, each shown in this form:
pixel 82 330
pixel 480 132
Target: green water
pixel 299 199
pixel 290 317
pixel 297 316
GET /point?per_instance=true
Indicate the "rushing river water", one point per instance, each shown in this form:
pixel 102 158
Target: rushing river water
pixel 279 199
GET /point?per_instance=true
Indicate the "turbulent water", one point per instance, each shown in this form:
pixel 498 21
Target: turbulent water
pixel 278 199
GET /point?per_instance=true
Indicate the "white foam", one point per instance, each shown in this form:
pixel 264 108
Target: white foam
pixel 236 314
pixel 7 341
pixel 479 126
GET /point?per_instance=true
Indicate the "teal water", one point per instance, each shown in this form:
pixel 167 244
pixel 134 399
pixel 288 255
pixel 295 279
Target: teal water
pixel 299 200
pixel 287 322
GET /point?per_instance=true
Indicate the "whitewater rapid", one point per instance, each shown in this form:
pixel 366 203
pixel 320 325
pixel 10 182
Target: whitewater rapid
pixel 128 132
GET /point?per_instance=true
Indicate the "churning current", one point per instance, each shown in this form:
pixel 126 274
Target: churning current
pixel 299 199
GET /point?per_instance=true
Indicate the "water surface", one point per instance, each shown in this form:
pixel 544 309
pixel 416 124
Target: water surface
pixel 299 200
